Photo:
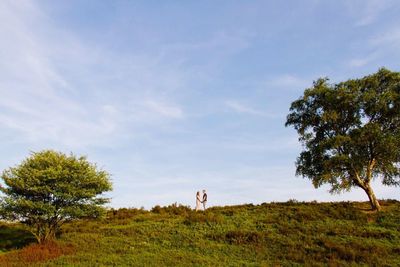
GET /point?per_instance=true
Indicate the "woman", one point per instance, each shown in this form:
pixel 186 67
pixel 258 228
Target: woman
pixel 198 201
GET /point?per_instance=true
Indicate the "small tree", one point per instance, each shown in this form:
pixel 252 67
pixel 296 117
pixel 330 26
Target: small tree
pixel 50 188
pixel 350 132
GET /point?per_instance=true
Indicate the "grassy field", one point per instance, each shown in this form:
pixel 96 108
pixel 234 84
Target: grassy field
pixel 275 234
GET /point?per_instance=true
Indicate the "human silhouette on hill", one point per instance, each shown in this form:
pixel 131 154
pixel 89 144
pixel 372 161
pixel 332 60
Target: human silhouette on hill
pixel 198 201
pixel 204 199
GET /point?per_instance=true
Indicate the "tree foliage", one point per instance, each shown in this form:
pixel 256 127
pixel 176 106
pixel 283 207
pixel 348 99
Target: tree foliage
pixel 49 188
pixel 350 132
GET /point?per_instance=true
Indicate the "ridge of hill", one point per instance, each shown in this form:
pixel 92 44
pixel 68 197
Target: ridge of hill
pixel 274 234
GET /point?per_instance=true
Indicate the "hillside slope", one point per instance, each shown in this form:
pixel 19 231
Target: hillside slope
pixel 316 234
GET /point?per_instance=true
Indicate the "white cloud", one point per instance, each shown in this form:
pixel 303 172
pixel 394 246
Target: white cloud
pixel 390 37
pixel 164 109
pixel 382 45
pixel 77 106
pixel 287 81
pixel 361 62
pixel 32 90
pixel 366 12
pixel 240 108
pixel 244 109
pixel 251 144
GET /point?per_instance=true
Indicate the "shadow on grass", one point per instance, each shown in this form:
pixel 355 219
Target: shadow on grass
pixel 13 236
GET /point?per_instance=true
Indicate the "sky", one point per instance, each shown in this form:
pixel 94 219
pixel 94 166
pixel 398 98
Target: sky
pixel 172 97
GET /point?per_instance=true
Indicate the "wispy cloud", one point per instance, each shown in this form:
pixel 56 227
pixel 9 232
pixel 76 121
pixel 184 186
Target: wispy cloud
pixel 247 143
pixel 164 109
pixel 245 109
pixel 367 12
pixel 388 37
pixel 76 106
pixel 34 94
pixel 361 62
pixel 378 46
pixel 287 81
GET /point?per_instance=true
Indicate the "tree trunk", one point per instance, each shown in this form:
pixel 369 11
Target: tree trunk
pixel 44 233
pixel 372 198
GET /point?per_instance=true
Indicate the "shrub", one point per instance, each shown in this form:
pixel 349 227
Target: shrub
pixel 243 237
pixel 14 236
pixel 173 209
pixel 36 253
pixel 238 237
pixel 202 217
pixel 124 213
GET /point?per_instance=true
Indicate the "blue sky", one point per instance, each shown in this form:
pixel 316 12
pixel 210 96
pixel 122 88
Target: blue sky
pixel 172 97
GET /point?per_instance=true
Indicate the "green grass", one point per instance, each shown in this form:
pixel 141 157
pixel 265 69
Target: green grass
pixel 14 236
pixel 276 234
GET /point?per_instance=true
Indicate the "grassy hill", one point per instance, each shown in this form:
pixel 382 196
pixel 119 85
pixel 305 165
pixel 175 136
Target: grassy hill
pixel 276 234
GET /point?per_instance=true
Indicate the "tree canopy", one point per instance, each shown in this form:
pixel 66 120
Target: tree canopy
pixel 350 132
pixel 49 188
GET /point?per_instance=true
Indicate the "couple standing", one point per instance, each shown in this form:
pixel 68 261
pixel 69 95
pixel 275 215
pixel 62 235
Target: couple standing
pixel 198 200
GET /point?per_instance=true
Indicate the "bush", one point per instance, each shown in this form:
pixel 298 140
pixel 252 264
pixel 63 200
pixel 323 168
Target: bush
pixel 14 236
pixel 243 237
pixel 36 253
pixel 238 237
pixel 202 217
pixel 173 209
pixel 124 213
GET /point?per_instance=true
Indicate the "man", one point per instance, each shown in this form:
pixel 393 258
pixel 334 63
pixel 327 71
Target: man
pixel 204 199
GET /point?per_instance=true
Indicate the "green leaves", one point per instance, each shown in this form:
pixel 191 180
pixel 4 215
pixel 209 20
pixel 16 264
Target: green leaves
pixel 350 131
pixel 50 187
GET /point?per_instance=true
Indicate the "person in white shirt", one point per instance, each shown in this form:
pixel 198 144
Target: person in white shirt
pixel 198 201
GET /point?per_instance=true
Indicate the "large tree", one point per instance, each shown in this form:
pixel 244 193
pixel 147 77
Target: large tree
pixel 350 132
pixel 50 188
